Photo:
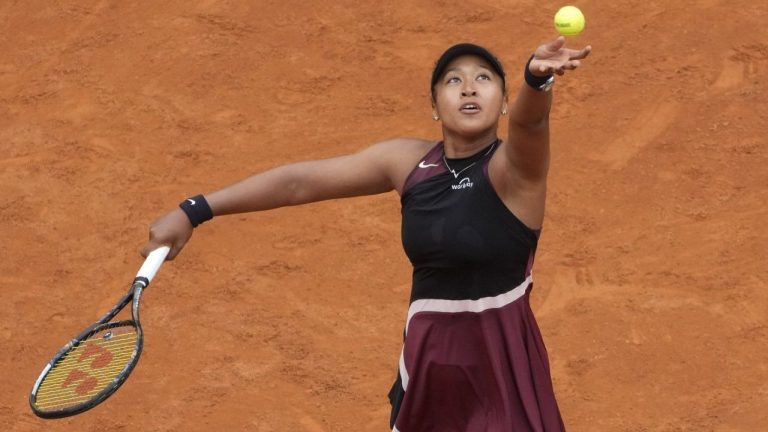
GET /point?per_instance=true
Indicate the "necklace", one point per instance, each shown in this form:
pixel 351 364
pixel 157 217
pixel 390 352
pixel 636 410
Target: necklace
pixel 471 160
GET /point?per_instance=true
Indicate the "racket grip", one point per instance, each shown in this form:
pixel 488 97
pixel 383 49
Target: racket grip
pixel 152 263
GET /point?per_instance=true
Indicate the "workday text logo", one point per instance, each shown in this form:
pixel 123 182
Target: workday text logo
pixel 463 184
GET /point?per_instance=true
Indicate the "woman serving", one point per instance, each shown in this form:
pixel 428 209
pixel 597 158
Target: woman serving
pixel 473 206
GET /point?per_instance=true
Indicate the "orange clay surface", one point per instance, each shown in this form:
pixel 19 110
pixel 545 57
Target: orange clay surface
pixel 652 272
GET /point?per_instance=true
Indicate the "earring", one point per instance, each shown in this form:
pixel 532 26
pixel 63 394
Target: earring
pixel 435 117
pixel 504 111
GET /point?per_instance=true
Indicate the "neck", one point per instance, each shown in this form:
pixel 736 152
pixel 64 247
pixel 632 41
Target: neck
pixel 457 146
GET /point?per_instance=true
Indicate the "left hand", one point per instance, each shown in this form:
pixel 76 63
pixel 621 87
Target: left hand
pixel 553 58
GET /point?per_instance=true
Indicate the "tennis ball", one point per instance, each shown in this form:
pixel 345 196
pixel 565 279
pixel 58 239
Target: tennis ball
pixel 569 21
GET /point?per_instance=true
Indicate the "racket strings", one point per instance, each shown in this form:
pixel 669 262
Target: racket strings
pixel 88 368
pixel 126 343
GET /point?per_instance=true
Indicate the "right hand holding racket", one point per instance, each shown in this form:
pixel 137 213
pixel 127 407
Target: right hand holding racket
pixel 172 229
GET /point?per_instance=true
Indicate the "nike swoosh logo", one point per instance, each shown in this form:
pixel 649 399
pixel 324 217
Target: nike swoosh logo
pixel 191 201
pixel 426 165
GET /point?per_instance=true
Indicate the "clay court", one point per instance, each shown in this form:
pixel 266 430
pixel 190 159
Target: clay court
pixel 651 276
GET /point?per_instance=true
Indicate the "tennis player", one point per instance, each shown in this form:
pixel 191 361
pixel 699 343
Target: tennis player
pixel 473 359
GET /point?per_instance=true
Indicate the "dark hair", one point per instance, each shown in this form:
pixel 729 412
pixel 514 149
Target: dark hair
pixel 459 50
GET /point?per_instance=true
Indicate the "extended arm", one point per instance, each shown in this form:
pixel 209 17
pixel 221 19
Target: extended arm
pixel 374 170
pixel 304 182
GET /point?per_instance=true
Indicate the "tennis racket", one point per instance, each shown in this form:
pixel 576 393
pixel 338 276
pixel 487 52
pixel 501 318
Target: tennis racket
pixel 96 362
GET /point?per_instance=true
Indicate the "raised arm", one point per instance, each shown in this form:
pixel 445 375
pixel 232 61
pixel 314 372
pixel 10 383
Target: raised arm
pixel 528 152
pixel 519 173
pixel 377 169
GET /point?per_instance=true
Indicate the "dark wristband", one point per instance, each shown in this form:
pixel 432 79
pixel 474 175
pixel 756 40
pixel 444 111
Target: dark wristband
pixel 197 210
pixel 538 83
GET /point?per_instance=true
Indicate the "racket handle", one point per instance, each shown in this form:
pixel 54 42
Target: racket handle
pixel 152 263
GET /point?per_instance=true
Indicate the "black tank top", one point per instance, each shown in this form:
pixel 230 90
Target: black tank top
pixel 462 240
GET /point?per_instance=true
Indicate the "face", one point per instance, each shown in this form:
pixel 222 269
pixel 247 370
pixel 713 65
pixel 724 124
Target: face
pixel 469 97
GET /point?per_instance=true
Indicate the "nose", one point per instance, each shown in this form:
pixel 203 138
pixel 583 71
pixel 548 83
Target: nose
pixel 468 89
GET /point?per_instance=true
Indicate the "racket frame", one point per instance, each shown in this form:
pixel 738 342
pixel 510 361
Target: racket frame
pixel 143 277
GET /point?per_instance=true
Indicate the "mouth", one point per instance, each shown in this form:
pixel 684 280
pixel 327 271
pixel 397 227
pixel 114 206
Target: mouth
pixel 470 108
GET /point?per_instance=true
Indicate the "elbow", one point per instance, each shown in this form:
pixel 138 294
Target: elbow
pixel 289 187
pixel 295 190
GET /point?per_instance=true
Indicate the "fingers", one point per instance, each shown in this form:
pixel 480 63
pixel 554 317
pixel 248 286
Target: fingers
pixel 151 246
pixel 580 54
pixel 571 65
pixel 175 250
pixel 559 68
pixel 556 44
pixel 173 230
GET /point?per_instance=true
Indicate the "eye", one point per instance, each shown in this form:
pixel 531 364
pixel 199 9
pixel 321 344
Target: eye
pixel 453 79
pixel 484 77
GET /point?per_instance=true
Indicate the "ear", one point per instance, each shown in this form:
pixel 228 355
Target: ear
pixel 504 106
pixel 435 114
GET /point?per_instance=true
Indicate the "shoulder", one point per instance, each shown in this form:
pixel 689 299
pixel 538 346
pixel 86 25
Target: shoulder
pixel 398 152
pixel 399 156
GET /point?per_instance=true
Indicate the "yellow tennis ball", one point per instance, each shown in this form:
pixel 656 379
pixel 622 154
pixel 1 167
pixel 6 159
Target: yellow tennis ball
pixel 569 21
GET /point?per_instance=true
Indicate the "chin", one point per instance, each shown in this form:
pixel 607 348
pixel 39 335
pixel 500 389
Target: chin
pixel 474 128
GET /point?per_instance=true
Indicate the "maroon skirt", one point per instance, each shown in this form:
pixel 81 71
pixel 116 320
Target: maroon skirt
pixel 474 366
